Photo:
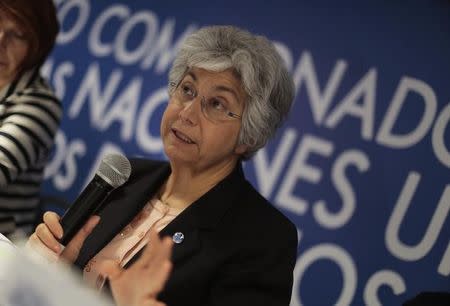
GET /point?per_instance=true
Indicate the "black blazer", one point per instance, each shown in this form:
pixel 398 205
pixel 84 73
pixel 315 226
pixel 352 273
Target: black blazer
pixel 237 248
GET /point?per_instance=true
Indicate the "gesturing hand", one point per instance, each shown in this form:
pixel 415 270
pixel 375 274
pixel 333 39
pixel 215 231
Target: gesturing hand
pixel 140 284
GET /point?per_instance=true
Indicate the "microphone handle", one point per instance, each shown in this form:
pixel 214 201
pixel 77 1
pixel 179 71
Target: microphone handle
pixel 87 203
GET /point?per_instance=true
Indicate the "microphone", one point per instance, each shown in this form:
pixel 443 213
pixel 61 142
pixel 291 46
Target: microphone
pixel 114 171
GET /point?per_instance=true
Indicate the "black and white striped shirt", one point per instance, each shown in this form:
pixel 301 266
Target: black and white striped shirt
pixel 29 118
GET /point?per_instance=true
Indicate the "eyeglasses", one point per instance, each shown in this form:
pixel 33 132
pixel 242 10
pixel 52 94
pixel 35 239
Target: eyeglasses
pixel 214 108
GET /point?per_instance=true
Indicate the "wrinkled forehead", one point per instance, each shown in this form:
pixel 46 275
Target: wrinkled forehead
pixel 225 80
pixel 229 75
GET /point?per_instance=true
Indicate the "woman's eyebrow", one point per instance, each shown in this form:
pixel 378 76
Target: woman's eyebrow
pixel 218 87
pixel 192 75
pixel 228 89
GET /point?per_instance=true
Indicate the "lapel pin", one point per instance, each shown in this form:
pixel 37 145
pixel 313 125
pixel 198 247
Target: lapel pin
pixel 178 237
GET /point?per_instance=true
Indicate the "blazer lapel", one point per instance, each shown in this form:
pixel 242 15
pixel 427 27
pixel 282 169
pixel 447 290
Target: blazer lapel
pixel 203 215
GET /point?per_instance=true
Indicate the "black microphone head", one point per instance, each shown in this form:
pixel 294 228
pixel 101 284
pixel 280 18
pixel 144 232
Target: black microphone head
pixel 115 169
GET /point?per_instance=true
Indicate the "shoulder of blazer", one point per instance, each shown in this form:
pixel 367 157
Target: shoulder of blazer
pixel 256 223
pixel 275 214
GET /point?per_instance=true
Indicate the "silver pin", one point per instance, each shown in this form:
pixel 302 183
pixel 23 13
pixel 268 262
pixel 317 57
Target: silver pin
pixel 178 237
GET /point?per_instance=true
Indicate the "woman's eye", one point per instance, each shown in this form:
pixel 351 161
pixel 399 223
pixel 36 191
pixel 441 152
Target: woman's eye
pixel 15 35
pixel 216 104
pixel 188 90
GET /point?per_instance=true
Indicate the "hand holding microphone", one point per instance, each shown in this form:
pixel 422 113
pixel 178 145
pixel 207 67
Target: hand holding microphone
pixel 113 172
pixel 78 221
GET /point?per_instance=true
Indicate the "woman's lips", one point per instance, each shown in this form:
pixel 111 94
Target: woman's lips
pixel 182 136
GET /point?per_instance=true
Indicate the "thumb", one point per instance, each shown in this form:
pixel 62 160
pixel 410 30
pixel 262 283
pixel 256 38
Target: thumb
pixel 73 248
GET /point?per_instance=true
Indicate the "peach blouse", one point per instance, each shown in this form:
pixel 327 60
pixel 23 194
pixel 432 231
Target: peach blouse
pixel 130 240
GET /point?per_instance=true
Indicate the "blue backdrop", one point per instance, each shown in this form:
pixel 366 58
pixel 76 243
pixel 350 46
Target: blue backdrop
pixel 361 165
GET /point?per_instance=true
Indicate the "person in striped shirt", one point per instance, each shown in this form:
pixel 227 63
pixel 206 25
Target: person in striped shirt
pixel 29 111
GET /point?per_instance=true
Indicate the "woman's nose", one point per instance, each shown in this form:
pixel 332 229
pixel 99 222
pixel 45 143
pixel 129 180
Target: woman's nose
pixel 191 110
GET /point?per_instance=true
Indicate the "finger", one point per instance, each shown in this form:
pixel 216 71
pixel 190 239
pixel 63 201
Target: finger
pixel 161 267
pixel 47 238
pixel 152 246
pixel 167 246
pixel 51 219
pixel 73 248
pixel 148 254
pixel 161 252
pixel 35 246
pixel 159 275
pixel 110 269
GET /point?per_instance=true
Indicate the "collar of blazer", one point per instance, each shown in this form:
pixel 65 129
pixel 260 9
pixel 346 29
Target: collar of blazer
pixel 146 179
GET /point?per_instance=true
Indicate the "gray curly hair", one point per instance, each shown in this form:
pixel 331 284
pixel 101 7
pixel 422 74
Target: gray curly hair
pixel 264 77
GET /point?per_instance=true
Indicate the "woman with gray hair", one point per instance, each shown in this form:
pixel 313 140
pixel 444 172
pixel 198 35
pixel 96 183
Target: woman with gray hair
pixel 229 91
